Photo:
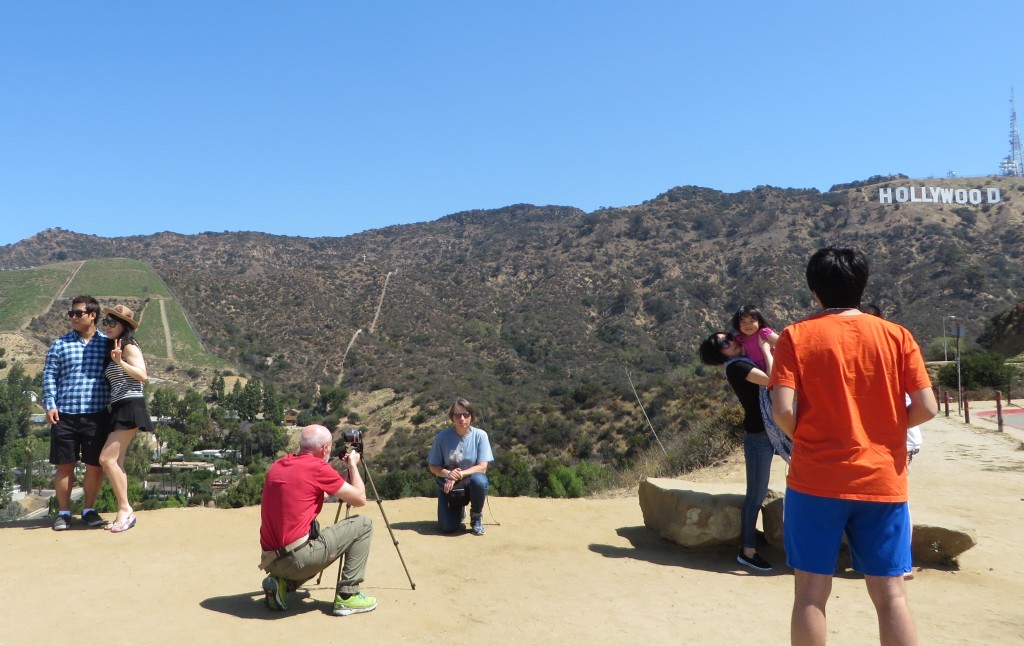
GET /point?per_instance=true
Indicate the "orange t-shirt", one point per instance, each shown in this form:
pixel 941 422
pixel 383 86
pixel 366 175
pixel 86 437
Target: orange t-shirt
pixel 850 374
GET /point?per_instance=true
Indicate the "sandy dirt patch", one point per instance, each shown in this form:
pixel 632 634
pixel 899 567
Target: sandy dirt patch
pixel 553 571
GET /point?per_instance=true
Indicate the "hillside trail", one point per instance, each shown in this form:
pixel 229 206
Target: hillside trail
pixel 167 331
pixel 380 302
pixel 58 294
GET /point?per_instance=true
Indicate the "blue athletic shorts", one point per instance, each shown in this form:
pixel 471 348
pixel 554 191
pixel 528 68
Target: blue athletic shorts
pixel 878 534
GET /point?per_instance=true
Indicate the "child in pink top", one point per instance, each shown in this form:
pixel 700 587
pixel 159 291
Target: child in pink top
pixel 758 340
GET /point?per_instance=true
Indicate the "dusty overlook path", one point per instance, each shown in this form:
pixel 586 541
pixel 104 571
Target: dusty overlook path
pixel 554 571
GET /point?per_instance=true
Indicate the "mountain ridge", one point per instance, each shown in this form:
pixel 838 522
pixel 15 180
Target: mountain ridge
pixel 539 311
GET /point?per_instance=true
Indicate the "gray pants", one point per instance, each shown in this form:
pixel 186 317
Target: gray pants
pixel 350 537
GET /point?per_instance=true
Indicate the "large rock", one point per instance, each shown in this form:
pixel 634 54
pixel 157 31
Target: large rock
pixel 693 514
pixel 771 519
pixel 942 545
pixel 707 514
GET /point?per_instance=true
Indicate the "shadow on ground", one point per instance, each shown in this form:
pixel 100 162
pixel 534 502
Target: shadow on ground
pixel 646 546
pixel 250 605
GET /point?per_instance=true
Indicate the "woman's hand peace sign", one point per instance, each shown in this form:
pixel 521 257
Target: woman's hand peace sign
pixel 115 354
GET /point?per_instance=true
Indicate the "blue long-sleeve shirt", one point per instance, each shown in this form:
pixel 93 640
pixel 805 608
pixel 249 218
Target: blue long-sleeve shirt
pixel 73 379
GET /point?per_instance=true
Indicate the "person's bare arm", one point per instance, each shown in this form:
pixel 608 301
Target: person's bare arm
pixel 922 407
pixel 769 357
pixel 353 491
pixel 783 410
pixel 757 376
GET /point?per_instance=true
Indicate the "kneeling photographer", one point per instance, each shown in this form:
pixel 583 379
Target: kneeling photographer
pixel 295 549
pixel 459 458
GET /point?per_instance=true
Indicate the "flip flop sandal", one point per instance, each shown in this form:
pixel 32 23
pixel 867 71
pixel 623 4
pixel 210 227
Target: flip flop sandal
pixel 124 525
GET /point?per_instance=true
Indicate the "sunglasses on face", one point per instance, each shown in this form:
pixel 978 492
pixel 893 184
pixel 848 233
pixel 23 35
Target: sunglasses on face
pixel 726 341
pixel 109 322
pixel 466 415
pixel 76 314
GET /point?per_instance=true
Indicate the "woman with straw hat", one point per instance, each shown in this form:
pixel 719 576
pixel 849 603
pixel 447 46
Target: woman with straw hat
pixel 126 373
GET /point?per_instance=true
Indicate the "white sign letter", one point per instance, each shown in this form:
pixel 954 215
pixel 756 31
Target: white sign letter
pixel 975 196
pixel 885 196
pixel 993 195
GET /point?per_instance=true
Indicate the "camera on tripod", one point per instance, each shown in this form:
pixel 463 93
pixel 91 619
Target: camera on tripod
pixel 354 439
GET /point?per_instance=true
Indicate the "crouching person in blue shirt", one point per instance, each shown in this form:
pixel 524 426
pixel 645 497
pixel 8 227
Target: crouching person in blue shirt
pixel 459 459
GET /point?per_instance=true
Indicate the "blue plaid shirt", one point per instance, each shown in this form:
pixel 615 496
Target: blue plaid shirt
pixel 73 379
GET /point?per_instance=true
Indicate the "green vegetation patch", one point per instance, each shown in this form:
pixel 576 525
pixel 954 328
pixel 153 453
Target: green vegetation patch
pixel 25 293
pixel 150 334
pixel 117 277
pixel 187 346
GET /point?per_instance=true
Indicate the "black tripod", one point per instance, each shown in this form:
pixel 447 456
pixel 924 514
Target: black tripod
pixel 380 505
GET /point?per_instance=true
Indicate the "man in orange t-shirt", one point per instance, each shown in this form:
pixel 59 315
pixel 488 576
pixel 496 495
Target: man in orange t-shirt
pixel 846 373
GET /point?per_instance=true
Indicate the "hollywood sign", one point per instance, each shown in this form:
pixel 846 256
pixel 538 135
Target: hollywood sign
pixel 939 195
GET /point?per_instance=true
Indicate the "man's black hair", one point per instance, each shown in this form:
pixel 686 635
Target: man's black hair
pixel 838 276
pixel 92 306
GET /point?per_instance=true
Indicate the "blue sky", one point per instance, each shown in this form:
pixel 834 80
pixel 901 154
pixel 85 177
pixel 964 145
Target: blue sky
pixel 330 118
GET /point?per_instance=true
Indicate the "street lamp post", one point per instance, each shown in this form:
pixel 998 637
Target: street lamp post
pixel 945 356
pixel 959 386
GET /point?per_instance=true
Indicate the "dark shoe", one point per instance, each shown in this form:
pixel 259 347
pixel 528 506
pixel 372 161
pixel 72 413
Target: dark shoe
pixel 92 519
pixel 275 589
pixel 62 522
pixel 754 562
pixel 477 527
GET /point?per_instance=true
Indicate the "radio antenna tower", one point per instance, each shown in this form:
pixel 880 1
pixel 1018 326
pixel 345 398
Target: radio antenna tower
pixel 1013 165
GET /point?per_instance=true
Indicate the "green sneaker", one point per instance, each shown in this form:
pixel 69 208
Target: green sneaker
pixel 355 604
pixel 276 590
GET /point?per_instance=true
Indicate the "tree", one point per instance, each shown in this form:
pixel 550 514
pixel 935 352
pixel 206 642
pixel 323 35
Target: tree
pixel 15 406
pixel 977 370
pixel 6 488
pixel 511 476
pixel 267 438
pixel 250 401
pixel 137 460
pixel 163 403
pixel 332 400
pixel 231 401
pixel 24 452
pixel 247 491
pixel 192 402
pixel 217 388
pixel 273 406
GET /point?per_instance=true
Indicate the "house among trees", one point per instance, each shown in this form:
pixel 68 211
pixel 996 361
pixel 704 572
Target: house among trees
pixel 291 416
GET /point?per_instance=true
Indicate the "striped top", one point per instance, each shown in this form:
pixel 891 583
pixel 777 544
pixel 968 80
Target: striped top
pixel 73 380
pixel 122 386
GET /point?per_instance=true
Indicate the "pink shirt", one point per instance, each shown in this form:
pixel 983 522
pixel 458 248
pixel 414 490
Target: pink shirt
pixel 752 345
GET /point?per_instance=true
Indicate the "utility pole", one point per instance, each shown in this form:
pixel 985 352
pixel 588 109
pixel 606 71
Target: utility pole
pixel 1013 164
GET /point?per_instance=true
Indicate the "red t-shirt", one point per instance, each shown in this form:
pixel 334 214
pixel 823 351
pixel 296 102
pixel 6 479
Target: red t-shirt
pixel 850 374
pixel 293 495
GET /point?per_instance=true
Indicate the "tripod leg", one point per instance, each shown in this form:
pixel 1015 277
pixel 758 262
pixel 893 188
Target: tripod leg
pixel 380 505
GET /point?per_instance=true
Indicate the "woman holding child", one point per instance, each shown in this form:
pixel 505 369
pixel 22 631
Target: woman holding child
pixel 746 378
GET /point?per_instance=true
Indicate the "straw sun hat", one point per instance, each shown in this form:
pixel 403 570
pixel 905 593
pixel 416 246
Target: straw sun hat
pixel 123 314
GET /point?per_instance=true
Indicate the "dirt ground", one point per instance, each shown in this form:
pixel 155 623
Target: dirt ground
pixel 553 571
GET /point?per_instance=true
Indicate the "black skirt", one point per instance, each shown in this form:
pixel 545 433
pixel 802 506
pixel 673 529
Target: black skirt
pixel 130 413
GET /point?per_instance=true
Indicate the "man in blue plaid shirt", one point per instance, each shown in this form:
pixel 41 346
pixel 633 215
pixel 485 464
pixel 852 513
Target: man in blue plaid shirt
pixel 76 394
